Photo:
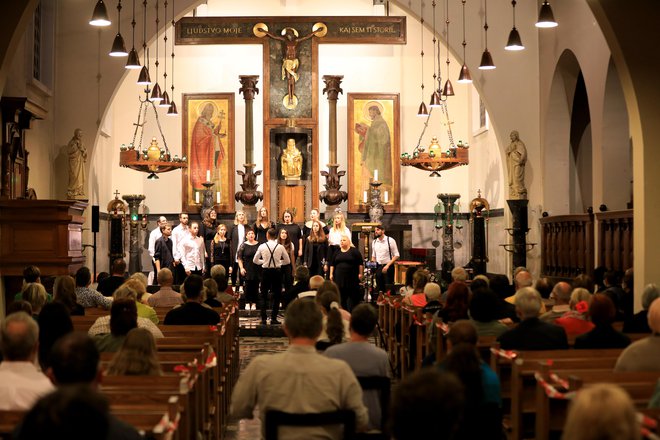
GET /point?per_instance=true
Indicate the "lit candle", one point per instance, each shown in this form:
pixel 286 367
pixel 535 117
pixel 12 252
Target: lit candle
pixel 387 198
pixel 375 175
pixel 217 197
pixel 364 197
pixel 208 175
pixel 196 197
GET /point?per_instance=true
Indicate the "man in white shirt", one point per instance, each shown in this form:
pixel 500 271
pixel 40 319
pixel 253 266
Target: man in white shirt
pixel 21 384
pixel 271 256
pixel 384 252
pixel 180 232
pixel 299 380
pixel 192 251
pixel 153 236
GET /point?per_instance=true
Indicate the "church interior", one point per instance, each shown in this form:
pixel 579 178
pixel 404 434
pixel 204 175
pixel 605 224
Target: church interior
pixel 277 103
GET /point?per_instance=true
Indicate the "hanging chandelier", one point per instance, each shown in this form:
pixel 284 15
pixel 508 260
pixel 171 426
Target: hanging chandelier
pixel 152 159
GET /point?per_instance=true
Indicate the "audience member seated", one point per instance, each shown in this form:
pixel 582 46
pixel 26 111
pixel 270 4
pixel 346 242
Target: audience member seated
pixel 479 282
pixel 532 333
pixel 483 313
pixel 407 290
pixel 576 321
pixel 64 292
pixel 483 404
pixel 211 293
pixel 19 306
pixel 87 297
pixel 503 289
pixel 301 277
pixel 433 294
pixel 459 274
pixel 521 279
pixel 102 323
pixel 364 358
pixel 75 360
pixel 137 356
pixel 613 289
pixel 75 412
pixel 315 284
pixel 192 312
pixel 458 298
pixel 107 286
pixel 31 274
pixel 35 294
pixel 602 412
pixel 561 294
pixel 417 298
pixel 144 311
pixel 584 281
pixel 99 277
pixel 644 355
pixel 544 286
pixel 427 404
pixel 331 286
pixel 602 314
pixel 299 380
pixel 639 323
pixel 21 384
pixel 166 296
pixel 628 299
pixel 123 318
pixel 225 291
pixel 336 329
pixel 54 322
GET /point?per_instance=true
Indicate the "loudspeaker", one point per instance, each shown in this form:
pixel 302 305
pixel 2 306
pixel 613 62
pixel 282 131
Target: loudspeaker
pixel 95 218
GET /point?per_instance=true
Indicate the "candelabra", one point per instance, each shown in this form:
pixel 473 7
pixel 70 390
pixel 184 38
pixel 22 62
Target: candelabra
pixel 207 202
pixel 376 209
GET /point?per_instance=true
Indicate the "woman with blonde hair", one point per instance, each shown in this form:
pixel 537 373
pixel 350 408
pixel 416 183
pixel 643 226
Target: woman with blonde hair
pixel 346 271
pixel 144 311
pixel 335 233
pixel 64 292
pixel 221 249
pixel 576 321
pixel 316 249
pixel 137 356
pixel 236 239
pixel 262 225
pixel 602 412
pixel 35 294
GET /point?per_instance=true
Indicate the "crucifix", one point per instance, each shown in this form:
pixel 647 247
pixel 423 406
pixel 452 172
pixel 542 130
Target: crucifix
pixel 290 73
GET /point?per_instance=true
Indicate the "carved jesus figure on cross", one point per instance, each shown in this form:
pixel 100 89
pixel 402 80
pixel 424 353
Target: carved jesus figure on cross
pixel 290 62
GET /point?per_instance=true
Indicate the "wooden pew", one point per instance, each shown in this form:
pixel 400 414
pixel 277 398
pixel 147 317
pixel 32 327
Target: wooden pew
pixel 551 412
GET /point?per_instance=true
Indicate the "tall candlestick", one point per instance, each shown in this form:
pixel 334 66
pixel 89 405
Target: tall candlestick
pixel 364 197
pixel 375 175
pixel 217 197
pixel 197 197
pixel 208 175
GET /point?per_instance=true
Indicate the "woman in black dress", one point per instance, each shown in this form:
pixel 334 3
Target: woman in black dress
pixel 316 246
pixel 262 225
pixel 346 271
pixel 221 249
pixel 287 269
pixel 295 234
pixel 207 230
pixel 250 272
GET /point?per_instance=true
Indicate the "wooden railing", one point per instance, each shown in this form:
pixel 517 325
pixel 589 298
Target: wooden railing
pixel 615 239
pixel 567 245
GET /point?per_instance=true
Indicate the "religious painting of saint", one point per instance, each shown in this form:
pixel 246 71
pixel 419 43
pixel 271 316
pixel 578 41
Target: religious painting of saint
pixel 208 142
pixel 373 149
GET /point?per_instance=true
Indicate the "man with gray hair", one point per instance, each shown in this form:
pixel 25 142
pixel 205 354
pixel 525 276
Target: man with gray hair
pixel 561 294
pixel 532 333
pixel 638 323
pixel 21 384
pixel 523 278
pixel 299 380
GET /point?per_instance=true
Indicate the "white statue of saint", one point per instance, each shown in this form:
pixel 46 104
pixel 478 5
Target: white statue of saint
pixel 77 157
pixel 516 154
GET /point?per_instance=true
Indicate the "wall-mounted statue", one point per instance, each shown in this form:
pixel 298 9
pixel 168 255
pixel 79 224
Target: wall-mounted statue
pixel 290 62
pixel 516 158
pixel 77 157
pixel 291 161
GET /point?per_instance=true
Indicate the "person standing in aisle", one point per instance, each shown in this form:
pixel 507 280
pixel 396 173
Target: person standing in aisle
pixel 271 256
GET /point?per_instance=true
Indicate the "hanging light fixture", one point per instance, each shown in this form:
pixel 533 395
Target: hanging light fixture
pixel 448 89
pixel 156 94
pixel 165 102
pixel 118 46
pixel 100 15
pixel 422 111
pixel 514 42
pixel 435 96
pixel 172 111
pixel 144 79
pixel 486 57
pixel 464 77
pixel 133 61
pixel 546 17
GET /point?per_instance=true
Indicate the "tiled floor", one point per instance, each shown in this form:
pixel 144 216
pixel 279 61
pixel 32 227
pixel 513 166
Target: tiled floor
pixel 251 346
